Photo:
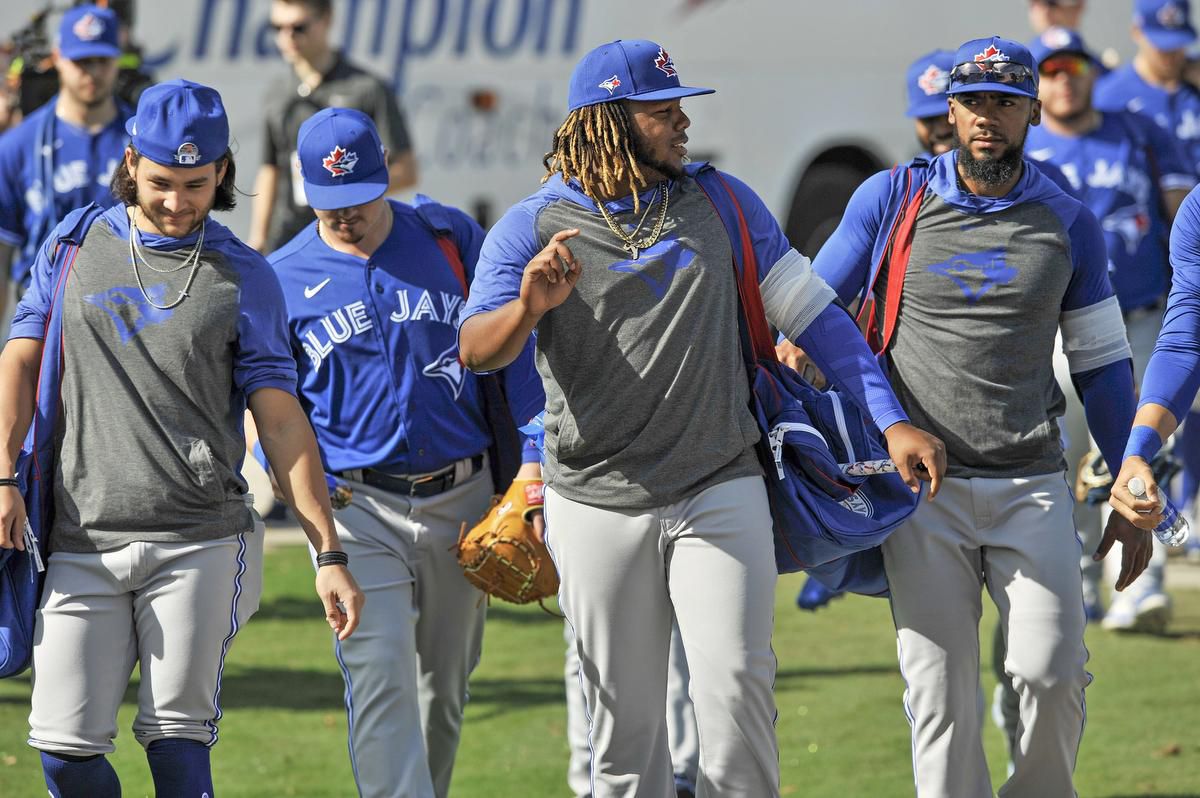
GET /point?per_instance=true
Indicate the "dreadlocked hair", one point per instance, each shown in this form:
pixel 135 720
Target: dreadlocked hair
pixel 595 146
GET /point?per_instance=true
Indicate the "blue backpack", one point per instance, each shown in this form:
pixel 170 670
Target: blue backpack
pixel 826 522
pixel 23 573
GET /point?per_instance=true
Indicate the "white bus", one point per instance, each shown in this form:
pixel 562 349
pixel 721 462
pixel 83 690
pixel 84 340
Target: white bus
pixel 810 95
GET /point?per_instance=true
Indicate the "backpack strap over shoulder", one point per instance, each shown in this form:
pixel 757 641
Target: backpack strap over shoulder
pixel 894 260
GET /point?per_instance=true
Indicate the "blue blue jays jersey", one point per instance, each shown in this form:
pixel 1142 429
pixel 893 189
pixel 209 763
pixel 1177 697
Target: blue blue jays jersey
pixel 1120 171
pixel 376 345
pixel 48 168
pixel 1178 112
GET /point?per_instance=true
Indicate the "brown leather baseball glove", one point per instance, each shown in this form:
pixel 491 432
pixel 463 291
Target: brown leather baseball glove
pixel 502 556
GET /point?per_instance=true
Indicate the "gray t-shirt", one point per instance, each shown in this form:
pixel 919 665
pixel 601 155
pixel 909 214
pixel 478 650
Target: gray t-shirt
pixel 980 378
pixel 289 104
pixel 149 432
pixel 646 390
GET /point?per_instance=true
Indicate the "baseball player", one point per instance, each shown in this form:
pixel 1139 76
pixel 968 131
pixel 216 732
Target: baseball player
pixel 1132 175
pixel 998 259
pixel 171 327
pixel 320 77
pixel 1045 14
pixel 1172 376
pixel 372 302
pixel 63 155
pixel 655 502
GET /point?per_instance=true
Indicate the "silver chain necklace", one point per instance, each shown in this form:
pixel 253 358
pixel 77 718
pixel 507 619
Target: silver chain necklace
pixel 631 244
pixel 135 255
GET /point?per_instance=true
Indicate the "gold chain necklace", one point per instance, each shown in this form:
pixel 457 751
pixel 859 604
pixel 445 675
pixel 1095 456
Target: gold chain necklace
pixel 631 244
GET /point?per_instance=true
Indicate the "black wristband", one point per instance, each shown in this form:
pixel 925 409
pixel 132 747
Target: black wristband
pixel 332 558
pixel 10 482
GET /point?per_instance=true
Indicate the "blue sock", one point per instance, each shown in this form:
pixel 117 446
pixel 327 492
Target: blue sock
pixel 80 776
pixel 180 768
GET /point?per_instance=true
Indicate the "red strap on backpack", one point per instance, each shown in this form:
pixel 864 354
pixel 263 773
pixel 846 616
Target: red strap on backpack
pixel 748 293
pixel 895 261
pixel 446 245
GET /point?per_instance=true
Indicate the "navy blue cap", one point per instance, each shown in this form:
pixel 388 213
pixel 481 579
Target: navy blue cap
pixel 180 123
pixel 88 32
pixel 1166 23
pixel 1058 40
pixel 342 159
pixel 928 78
pixel 631 69
pixel 994 50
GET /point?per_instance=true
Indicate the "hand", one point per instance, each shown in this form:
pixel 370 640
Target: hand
pixel 336 586
pixel 1141 513
pixel 550 277
pixel 918 455
pixel 1136 547
pixel 793 356
pixel 12 519
pixel 538 519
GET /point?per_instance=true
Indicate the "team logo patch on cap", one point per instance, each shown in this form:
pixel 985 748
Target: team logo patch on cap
pixel 664 62
pixel 611 84
pixel 88 28
pixel 1056 37
pixel 992 53
pixel 1171 16
pixel 340 162
pixel 187 154
pixel 934 81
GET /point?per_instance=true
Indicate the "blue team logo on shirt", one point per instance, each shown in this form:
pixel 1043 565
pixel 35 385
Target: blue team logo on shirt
pixel 1131 224
pixel 130 311
pixel 448 368
pixel 668 256
pixel 976 273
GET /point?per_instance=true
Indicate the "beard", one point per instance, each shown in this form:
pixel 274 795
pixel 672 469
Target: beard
pixel 991 171
pixel 642 154
pixel 166 227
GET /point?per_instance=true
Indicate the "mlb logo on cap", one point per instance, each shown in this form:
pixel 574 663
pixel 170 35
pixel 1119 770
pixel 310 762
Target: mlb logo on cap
pixel 180 123
pixel 631 69
pixel 342 160
pixel 88 32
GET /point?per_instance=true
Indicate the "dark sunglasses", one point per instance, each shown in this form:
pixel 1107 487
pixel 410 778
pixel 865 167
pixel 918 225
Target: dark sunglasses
pixel 299 29
pixel 990 72
pixel 1074 65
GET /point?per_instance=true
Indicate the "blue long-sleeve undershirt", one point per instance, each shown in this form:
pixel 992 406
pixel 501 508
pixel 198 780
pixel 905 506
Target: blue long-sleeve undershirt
pixel 1108 404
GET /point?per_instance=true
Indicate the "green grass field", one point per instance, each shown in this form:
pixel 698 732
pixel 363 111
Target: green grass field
pixel 842 732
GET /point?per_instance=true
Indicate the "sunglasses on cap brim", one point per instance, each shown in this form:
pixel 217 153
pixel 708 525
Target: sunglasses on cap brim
pixel 1006 72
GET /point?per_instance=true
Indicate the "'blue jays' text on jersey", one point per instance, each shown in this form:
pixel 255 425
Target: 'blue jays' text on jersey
pixel 48 168
pixel 376 346
pixel 1178 112
pixel 986 284
pixel 1120 171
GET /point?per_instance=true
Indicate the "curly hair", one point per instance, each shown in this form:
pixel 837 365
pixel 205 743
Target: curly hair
pixel 595 145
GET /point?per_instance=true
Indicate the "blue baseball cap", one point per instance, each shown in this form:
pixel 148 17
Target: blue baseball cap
pixel 342 159
pixel 994 64
pixel 1058 40
pixel 88 32
pixel 1166 23
pixel 928 78
pixel 626 69
pixel 180 123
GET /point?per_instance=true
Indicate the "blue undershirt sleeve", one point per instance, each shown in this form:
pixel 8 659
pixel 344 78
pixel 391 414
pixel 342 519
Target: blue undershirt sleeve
pixel 836 346
pixel 1173 374
pixel 1108 405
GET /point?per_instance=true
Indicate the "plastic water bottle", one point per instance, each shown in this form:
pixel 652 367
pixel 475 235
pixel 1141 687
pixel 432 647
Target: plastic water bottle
pixel 1173 530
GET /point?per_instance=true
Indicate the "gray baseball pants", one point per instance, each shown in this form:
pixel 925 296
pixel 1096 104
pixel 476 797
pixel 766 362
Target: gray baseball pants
pixel 1016 538
pixel 708 562
pixel 172 607
pixel 406 666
